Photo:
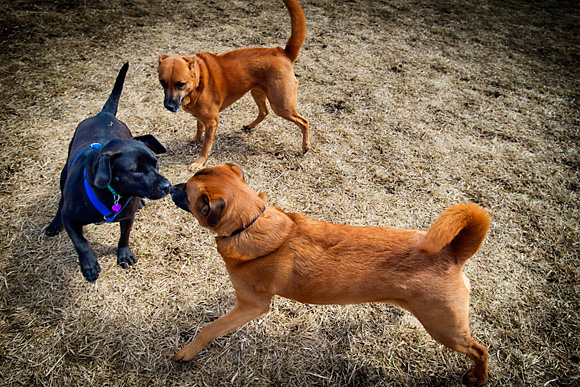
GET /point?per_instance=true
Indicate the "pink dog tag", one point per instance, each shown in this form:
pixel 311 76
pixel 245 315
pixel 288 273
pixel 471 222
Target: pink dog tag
pixel 116 207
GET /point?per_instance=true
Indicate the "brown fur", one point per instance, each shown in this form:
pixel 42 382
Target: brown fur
pixel 318 262
pixel 206 84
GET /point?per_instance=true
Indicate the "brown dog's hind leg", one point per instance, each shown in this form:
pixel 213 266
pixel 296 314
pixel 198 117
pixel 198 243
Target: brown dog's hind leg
pixel 260 98
pixel 243 312
pixel 448 322
pixel 283 103
pixel 293 116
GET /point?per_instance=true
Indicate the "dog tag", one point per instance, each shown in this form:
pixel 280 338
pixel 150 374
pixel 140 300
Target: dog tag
pixel 116 207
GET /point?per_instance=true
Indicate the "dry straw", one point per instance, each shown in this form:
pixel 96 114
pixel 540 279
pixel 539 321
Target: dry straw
pixel 414 107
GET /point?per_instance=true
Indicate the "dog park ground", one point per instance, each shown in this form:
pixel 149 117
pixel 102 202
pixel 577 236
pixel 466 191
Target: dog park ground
pixel 414 106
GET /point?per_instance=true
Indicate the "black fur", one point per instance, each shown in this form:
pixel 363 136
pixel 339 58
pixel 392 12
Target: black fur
pixel 126 163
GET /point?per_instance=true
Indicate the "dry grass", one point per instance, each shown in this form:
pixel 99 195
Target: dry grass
pixel 414 106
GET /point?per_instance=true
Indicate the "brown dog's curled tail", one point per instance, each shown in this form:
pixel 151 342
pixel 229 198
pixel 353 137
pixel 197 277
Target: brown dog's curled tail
pixel 463 226
pixel 298 34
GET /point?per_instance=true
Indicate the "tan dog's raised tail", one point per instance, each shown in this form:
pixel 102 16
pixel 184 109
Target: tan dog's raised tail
pixel 205 84
pixel 269 252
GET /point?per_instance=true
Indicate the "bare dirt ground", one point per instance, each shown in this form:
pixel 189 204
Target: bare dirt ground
pixel 414 106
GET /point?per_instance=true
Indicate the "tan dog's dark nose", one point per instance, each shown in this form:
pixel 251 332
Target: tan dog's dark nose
pixel 172 106
pixel 179 196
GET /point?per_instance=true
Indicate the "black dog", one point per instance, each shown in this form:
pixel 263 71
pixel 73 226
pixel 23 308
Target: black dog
pixel 107 173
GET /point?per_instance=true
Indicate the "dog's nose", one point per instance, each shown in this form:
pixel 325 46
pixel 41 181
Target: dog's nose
pixel 176 189
pixel 165 186
pixel 171 106
pixel 172 189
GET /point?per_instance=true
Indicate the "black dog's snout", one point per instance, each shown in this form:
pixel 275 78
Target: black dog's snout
pixel 165 186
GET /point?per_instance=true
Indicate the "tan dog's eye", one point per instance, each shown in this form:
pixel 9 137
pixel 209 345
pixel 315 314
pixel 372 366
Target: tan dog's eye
pixel 163 84
pixel 179 85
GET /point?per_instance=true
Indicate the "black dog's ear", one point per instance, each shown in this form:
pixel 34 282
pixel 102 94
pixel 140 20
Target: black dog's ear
pixel 151 143
pixel 103 173
pixel 212 210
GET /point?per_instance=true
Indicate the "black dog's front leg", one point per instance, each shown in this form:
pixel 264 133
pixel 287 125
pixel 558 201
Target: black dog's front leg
pixel 125 256
pixel 87 257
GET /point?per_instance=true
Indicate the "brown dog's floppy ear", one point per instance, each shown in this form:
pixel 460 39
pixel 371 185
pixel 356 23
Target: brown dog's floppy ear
pixel 212 210
pixel 103 173
pixel 237 170
pixel 162 58
pixel 151 143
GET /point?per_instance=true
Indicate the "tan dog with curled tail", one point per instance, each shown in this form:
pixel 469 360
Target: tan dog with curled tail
pixel 205 84
pixel 269 252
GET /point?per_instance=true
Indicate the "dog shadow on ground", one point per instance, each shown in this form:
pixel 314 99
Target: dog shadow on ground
pixel 230 145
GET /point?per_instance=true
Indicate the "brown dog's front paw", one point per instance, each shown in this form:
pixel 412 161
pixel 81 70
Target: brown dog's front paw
pixel 470 380
pixel 182 356
pixel 188 352
pixel 195 166
pixel 179 357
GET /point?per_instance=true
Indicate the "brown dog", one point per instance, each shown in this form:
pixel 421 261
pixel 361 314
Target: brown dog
pixel 268 252
pixel 206 84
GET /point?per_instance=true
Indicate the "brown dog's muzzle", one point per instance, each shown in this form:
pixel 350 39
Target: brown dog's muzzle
pixel 172 104
pixel 179 196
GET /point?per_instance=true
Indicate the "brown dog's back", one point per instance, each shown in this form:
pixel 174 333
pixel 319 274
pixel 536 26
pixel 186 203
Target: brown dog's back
pixel 341 264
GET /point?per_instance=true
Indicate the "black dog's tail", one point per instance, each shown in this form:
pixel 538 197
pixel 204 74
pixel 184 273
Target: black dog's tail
pixel 113 101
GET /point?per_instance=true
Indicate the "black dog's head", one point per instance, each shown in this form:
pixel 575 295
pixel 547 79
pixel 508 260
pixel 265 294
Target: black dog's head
pixel 130 167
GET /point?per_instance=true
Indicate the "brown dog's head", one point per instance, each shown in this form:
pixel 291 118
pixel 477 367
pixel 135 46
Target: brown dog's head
pixel 219 198
pixel 179 76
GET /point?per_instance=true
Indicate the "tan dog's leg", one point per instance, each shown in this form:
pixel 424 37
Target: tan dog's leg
pixel 260 98
pixel 210 128
pixel 199 132
pixel 243 312
pixel 283 103
pixel 448 322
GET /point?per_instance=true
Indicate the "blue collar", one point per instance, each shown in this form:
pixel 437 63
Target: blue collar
pixel 104 210
pixel 108 214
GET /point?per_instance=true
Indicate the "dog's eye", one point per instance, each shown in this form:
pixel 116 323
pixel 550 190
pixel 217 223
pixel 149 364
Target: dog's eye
pixel 163 84
pixel 179 85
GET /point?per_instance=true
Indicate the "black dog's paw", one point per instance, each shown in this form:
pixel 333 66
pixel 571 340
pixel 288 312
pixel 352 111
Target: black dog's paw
pixel 53 228
pixel 125 257
pixel 91 272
